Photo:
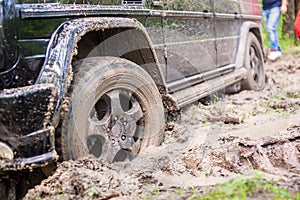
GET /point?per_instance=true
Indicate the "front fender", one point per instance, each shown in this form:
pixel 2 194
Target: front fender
pixel 245 29
pixel 62 47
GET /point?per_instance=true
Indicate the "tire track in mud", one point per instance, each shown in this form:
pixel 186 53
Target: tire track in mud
pixel 277 156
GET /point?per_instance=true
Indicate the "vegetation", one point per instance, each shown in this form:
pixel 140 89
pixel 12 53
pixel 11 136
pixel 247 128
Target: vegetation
pixel 240 188
pixel 244 187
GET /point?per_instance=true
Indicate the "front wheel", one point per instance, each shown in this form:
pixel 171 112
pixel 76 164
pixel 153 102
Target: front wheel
pixel 115 111
pixel 254 64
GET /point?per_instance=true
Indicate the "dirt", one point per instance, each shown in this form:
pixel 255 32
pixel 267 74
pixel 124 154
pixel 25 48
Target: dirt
pixel 207 143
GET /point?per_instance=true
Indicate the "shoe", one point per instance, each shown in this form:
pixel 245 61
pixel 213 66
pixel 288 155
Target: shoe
pixel 274 55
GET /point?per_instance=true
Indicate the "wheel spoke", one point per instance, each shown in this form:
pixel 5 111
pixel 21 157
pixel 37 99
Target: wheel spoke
pixel 135 147
pixel 109 151
pixel 134 128
pixel 254 68
pixel 252 53
pixel 99 127
pixel 115 101
pixel 256 60
pixel 135 112
pixel 254 63
pixel 133 116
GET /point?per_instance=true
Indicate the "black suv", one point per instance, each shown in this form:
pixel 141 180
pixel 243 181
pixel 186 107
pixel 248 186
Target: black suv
pixel 99 77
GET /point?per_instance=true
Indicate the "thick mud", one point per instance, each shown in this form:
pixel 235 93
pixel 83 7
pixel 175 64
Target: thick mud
pixel 206 144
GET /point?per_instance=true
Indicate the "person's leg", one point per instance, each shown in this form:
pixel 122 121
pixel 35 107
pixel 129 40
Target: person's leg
pixel 271 18
pixel 266 14
pixel 272 26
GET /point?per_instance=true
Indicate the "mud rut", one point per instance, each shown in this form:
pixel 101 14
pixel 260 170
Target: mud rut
pixel 205 144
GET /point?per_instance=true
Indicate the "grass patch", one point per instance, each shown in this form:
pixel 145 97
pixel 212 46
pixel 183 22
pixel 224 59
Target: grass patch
pixel 239 188
pixel 243 188
pixel 284 104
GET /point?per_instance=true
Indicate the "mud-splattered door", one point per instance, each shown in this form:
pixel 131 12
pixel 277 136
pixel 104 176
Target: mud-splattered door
pixel 227 27
pixel 189 37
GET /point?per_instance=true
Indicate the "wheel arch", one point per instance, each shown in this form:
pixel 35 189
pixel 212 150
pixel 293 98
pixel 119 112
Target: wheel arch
pixel 246 28
pixel 128 42
pixel 80 38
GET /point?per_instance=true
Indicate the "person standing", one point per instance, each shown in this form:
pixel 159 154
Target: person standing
pixel 271 10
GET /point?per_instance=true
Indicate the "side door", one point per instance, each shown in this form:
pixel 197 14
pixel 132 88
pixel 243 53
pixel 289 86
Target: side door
pixel 189 39
pixel 227 28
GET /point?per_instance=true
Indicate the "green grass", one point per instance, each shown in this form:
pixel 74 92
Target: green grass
pixel 91 192
pixel 242 188
pixel 275 106
pixel 239 188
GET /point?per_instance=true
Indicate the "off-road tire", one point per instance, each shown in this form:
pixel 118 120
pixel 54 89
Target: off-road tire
pixel 95 128
pixel 254 63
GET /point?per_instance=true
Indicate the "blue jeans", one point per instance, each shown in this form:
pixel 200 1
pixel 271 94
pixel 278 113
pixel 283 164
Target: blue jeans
pixel 271 18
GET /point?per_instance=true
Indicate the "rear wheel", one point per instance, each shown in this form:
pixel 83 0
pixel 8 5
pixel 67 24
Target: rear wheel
pixel 254 63
pixel 115 111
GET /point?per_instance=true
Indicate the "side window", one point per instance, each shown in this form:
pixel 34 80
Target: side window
pixel 191 5
pixel 250 7
pixel 226 6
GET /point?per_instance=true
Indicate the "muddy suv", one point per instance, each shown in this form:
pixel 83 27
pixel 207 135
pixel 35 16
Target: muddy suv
pixel 98 78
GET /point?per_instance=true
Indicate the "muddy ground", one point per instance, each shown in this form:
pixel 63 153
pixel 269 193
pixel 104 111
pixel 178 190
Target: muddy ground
pixel 207 144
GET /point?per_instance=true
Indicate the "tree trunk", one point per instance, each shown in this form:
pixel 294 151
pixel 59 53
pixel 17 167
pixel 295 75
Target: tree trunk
pixel 288 20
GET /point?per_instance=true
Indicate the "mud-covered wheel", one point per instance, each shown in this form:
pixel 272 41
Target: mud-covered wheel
pixel 254 63
pixel 115 111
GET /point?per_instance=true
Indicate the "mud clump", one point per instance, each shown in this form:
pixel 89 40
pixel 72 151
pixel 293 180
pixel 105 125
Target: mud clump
pixel 278 155
pixel 86 177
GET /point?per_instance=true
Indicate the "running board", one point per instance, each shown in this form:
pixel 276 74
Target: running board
pixel 196 92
